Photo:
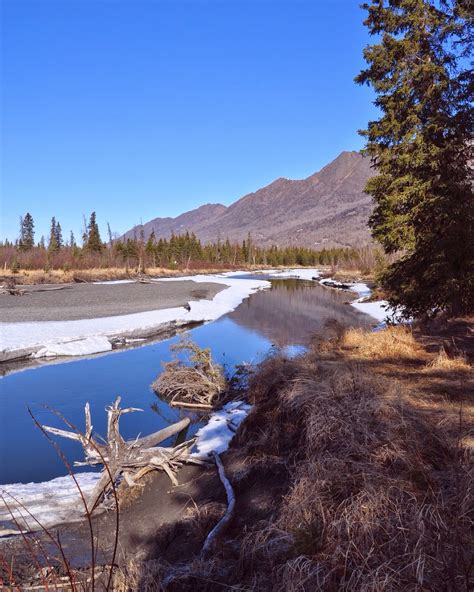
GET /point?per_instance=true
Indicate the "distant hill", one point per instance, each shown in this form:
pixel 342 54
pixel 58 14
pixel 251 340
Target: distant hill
pixel 329 208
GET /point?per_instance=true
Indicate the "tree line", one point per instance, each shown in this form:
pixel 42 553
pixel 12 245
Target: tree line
pixel 179 251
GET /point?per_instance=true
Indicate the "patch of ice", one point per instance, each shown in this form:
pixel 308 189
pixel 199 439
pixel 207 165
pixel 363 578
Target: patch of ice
pixel 291 351
pixel 359 288
pixel 95 344
pixel 379 310
pixel 216 434
pixel 51 502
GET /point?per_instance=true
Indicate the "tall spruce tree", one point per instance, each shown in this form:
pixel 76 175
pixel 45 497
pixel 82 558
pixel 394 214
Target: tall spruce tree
pixel 59 235
pixel 27 232
pixel 53 245
pixel 421 147
pixel 94 242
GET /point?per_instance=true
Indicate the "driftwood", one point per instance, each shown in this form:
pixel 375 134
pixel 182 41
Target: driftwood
pixel 54 289
pixel 223 523
pixel 130 459
pixel 9 288
pixel 14 291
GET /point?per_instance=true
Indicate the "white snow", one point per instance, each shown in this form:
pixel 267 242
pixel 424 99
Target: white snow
pixel 216 434
pixel 300 274
pixel 94 344
pixel 379 310
pixel 89 336
pixel 50 502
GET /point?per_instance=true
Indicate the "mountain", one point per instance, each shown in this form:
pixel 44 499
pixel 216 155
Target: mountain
pixel 329 208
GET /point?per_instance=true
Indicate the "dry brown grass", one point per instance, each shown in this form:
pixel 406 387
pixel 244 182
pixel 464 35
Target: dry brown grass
pixel 138 575
pixel 445 364
pixel 379 497
pixel 59 276
pixel 369 492
pixel 394 343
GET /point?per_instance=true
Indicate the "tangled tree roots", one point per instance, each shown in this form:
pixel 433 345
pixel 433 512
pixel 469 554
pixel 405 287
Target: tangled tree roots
pixel 196 382
pixel 130 459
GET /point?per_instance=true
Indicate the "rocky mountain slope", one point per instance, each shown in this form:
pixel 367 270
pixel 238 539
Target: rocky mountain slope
pixel 329 208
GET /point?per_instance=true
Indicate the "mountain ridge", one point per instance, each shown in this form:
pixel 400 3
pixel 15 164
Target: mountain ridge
pixel 328 208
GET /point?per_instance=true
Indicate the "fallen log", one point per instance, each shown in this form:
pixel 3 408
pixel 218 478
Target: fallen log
pixel 131 459
pixel 190 405
pixel 218 529
pixel 54 289
pixel 9 291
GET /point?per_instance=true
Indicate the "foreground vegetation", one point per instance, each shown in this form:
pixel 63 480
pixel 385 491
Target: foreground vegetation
pixel 352 472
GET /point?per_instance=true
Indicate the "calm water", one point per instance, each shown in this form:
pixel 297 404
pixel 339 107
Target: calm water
pixel 287 315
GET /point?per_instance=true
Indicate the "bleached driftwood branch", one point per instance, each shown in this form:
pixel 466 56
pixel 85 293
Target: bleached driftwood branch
pixel 131 459
pixel 212 537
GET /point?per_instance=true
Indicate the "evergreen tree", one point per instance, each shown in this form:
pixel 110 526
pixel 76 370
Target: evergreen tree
pixel 93 242
pixel 420 148
pixel 72 240
pixel 53 245
pixel 27 233
pixel 59 235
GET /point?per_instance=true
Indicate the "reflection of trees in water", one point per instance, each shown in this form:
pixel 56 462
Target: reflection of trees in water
pixel 292 311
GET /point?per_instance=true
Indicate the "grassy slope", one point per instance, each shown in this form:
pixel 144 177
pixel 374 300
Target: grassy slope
pixel 352 472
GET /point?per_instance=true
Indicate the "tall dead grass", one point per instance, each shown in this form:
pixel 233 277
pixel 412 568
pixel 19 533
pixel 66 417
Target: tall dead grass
pixel 379 500
pixel 445 364
pixel 59 276
pixel 393 343
pixel 374 495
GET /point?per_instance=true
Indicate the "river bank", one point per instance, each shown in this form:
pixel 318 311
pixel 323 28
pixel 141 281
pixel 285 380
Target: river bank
pixel 353 468
pixel 86 319
pixel 91 334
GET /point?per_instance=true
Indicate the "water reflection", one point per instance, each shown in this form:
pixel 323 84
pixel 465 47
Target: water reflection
pixel 292 311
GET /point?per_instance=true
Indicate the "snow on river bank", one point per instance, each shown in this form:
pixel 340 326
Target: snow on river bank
pixel 90 336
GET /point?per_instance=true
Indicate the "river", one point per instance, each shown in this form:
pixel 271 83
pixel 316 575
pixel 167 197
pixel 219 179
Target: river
pixel 286 316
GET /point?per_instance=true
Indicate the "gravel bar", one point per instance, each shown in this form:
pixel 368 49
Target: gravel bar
pixel 89 301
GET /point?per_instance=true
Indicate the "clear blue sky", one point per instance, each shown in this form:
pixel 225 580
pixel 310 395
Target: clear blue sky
pixel 138 109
